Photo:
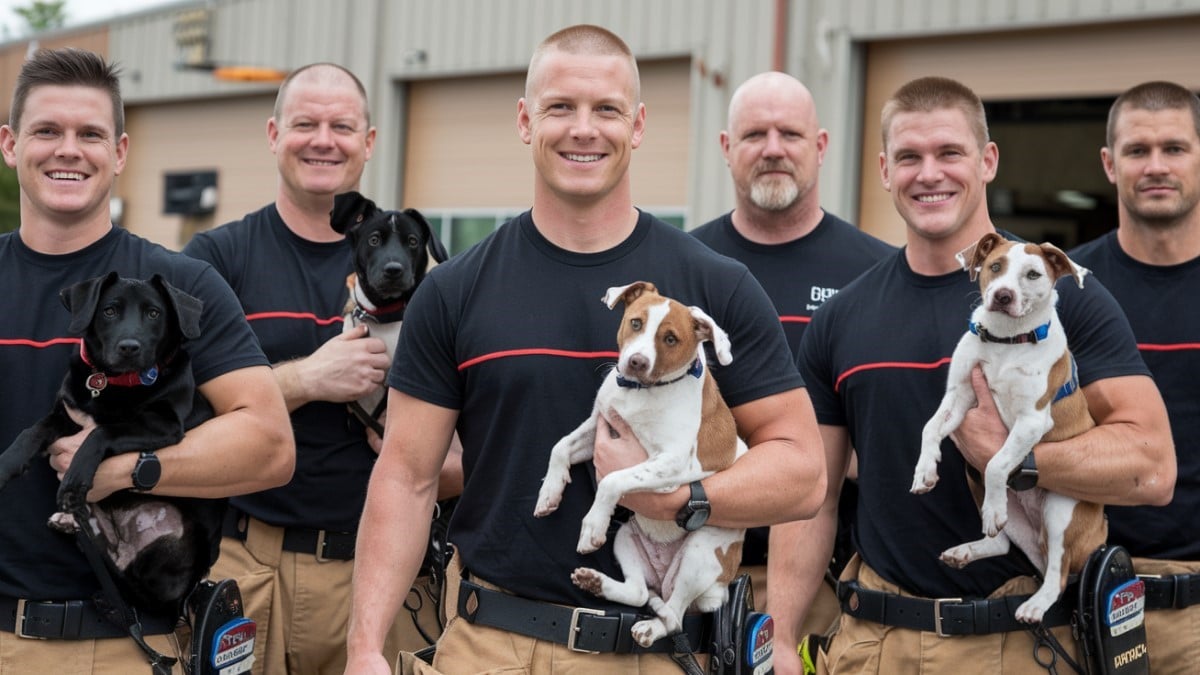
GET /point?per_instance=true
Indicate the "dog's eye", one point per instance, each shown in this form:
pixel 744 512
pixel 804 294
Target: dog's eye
pixel 635 324
pixel 374 239
pixel 1033 275
pixel 413 242
pixel 995 268
pixel 153 313
pixel 110 312
pixel 670 339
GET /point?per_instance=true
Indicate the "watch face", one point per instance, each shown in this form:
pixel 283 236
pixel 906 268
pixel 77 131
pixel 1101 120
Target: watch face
pixel 147 472
pixel 697 520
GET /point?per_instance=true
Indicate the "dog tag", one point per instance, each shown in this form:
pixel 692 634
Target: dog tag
pixel 148 376
pixel 96 383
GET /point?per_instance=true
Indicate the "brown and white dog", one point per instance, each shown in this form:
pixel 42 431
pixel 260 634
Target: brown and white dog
pixel 1017 338
pixel 663 389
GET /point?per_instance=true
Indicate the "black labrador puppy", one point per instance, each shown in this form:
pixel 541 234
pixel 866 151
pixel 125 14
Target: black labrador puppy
pixel 392 252
pixel 134 379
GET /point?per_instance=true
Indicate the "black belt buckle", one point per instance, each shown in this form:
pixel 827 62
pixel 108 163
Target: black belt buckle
pixel 573 629
pixel 937 614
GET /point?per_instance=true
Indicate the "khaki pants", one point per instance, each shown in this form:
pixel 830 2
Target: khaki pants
pixel 1172 635
pixel 109 656
pixel 302 605
pixel 470 648
pixel 868 647
pixel 822 616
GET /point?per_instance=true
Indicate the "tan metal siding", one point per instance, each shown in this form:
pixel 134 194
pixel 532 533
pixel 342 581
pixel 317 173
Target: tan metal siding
pixel 229 135
pixel 463 150
pixel 1099 60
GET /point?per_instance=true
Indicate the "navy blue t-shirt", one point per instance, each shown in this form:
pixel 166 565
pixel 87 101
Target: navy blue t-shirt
pixel 798 276
pixel 293 292
pixel 35 561
pixel 1161 304
pixel 514 335
pixel 875 358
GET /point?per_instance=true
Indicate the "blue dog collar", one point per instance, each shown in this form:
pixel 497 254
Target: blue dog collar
pixel 1032 337
pixel 1070 385
pixel 696 370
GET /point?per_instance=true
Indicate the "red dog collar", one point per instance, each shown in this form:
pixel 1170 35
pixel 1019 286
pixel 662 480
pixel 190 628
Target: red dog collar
pixel 99 380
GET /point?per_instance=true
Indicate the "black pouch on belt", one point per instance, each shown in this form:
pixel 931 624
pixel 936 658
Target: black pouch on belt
pixel 222 638
pixel 1112 614
pixel 743 639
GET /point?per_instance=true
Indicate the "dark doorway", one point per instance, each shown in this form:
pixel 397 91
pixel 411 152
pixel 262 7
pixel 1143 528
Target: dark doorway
pixel 1051 186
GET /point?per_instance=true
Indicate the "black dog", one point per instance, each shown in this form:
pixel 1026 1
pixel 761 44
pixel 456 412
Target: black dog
pixel 132 377
pixel 392 252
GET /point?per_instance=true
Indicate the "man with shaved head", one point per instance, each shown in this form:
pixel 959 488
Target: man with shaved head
pixel 292 548
pixel 801 255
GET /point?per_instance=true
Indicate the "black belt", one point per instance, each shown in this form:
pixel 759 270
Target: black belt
pixel 579 628
pixel 324 544
pixel 1172 591
pixel 946 616
pixel 68 620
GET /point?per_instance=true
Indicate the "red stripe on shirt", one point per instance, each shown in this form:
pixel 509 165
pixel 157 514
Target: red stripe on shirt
pixel 16 342
pixel 795 319
pixel 890 364
pixel 1169 348
pixel 537 352
pixel 294 315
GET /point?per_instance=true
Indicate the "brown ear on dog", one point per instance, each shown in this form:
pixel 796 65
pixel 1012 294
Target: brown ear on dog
pixel 972 257
pixel 1061 265
pixel 82 298
pixel 627 293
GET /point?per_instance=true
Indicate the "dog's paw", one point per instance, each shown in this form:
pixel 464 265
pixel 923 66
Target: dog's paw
pixel 647 632
pixel 592 535
pixel 926 474
pixel 63 522
pixel 589 580
pixel 1033 609
pixel 957 557
pixel 550 495
pixel 994 517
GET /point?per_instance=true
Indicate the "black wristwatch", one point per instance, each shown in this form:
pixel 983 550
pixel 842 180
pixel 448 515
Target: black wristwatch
pixel 694 513
pixel 146 472
pixel 1025 476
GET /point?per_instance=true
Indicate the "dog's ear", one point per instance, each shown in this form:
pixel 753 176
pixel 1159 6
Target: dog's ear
pixel 187 308
pixel 349 209
pixel 436 250
pixel 707 329
pixel 627 293
pixel 971 258
pixel 82 299
pixel 1061 266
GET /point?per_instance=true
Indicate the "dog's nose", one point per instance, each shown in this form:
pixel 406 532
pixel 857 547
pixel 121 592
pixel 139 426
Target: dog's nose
pixel 129 347
pixel 1003 297
pixel 393 269
pixel 639 363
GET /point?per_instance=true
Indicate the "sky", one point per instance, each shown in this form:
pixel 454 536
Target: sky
pixel 12 26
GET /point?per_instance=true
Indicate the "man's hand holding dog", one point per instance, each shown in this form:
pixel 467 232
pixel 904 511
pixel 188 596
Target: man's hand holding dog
pixel 982 432
pixel 617 448
pixel 347 367
pixel 62 452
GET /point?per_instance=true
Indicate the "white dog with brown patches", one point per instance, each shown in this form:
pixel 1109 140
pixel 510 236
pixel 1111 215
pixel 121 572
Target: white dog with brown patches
pixel 662 388
pixel 1016 337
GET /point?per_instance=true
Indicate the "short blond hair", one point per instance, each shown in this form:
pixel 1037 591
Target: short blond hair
pixel 927 94
pixel 585 39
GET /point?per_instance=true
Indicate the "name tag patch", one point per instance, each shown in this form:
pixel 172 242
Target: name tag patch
pixel 760 643
pixel 1126 607
pixel 233 647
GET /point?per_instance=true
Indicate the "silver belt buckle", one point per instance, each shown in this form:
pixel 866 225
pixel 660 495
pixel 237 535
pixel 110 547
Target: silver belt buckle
pixel 321 547
pixel 20 625
pixel 937 614
pixel 574 628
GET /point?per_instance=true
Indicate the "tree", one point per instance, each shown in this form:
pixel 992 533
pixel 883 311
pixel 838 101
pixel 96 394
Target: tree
pixel 43 14
pixel 10 199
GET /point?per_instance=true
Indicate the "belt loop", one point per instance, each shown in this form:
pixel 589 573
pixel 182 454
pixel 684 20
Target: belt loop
pixel 264 542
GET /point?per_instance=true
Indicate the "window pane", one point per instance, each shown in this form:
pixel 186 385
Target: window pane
pixel 467 231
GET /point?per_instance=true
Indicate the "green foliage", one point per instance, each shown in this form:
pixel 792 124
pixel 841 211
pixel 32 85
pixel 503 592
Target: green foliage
pixel 10 199
pixel 43 15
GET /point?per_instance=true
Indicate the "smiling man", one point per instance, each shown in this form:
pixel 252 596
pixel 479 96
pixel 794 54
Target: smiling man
pixel 875 357
pixel 513 387
pixel 292 548
pixel 66 139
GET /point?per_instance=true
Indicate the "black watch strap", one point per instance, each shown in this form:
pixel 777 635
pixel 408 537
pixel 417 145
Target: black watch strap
pixel 1025 476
